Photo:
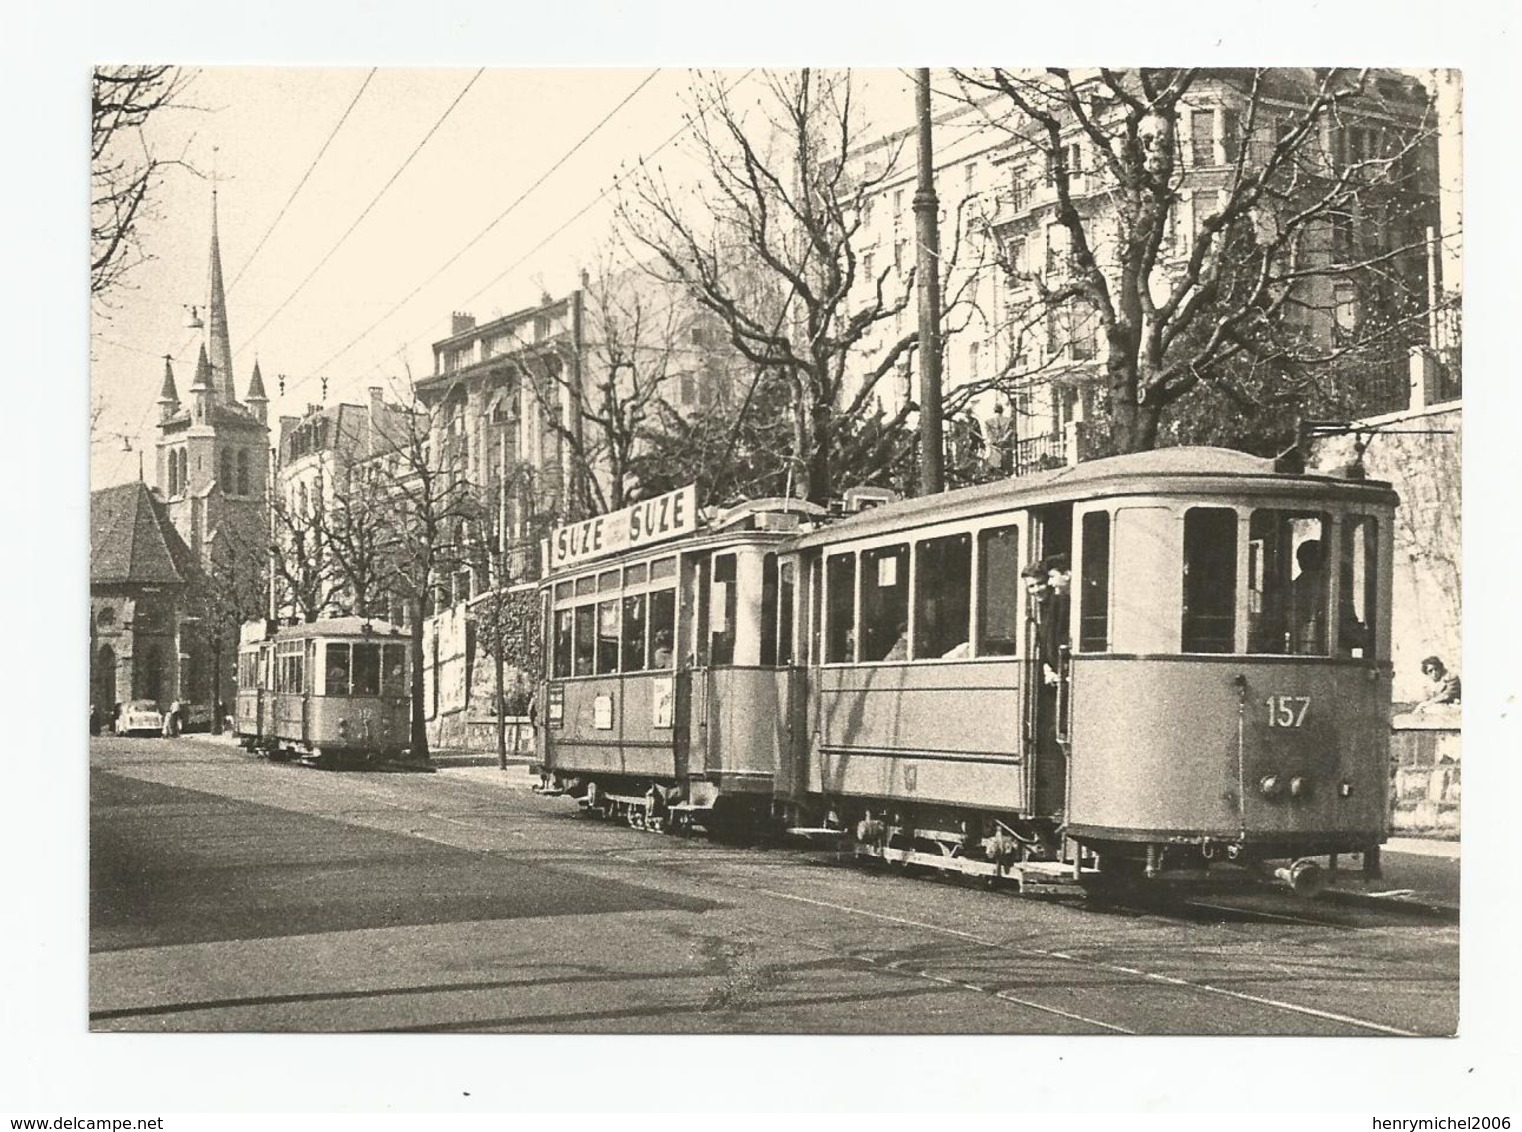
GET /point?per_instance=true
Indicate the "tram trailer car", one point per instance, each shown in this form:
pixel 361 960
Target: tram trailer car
pixel 1219 688
pixel 333 691
pixel 667 702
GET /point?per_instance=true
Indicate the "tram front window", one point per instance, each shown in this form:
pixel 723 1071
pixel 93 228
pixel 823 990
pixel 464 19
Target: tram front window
pixel 336 679
pixel 1360 594
pixel 722 609
pixel 1210 579
pixel 1287 583
pixel 366 675
pixel 942 596
pixel 395 675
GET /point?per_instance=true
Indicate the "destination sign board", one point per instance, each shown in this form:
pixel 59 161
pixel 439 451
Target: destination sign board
pixel 642 524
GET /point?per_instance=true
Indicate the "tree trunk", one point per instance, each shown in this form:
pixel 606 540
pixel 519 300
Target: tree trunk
pixel 419 721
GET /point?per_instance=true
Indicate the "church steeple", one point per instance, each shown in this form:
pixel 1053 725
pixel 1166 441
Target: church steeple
pixel 218 342
pixel 258 402
pixel 169 398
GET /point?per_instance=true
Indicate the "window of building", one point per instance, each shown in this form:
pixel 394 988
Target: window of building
pixel 607 581
pixel 885 603
pixel 721 611
pixel 1210 579
pixel 974 350
pixel 636 575
pixel 227 472
pixel 367 670
pixel 562 645
pixel 662 568
pixel 335 681
pixel 586 587
pixel 942 597
pixel 586 640
pixel 1231 134
pixel 1202 136
pixel 999 587
pixel 1287 590
pixel 243 471
pixel 106 618
pixel 1094 591
pixel 634 633
pixel 663 627
pixel 1359 588
pixel 607 636
pixel 840 631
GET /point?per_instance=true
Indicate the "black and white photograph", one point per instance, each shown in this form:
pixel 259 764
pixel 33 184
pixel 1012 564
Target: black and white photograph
pixel 591 551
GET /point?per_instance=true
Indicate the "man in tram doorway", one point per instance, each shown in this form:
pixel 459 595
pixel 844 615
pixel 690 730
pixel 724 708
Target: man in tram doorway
pixel 1054 615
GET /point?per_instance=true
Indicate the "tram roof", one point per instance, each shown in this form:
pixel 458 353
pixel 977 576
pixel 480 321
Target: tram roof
pixel 1166 469
pixel 340 627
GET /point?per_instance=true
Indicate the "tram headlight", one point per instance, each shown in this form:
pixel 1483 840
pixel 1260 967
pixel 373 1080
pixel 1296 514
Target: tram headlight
pixel 1299 787
pixel 1345 790
pixel 1270 786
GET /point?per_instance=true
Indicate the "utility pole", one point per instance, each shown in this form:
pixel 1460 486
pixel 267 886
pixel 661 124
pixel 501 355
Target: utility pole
pixel 927 223
pixel 497 599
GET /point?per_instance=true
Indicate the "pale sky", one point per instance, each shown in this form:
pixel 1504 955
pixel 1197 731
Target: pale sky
pixel 353 320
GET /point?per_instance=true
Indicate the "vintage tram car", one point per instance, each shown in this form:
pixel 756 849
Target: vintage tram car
pixel 332 691
pixel 1218 686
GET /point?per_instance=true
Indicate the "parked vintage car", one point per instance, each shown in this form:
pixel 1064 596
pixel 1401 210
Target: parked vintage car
pixel 140 717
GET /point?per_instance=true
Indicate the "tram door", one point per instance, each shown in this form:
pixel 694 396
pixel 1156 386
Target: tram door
pixel 1046 693
pixel 690 722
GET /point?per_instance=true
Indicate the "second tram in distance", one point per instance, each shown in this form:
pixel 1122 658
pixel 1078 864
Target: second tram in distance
pixel 333 691
pixel 1220 689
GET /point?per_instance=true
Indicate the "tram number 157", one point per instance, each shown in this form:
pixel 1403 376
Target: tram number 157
pixel 1287 711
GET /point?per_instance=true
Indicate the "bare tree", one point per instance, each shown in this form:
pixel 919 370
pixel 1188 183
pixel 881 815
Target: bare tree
pixel 306 573
pixel 124 167
pixel 768 244
pixel 431 524
pixel 1246 238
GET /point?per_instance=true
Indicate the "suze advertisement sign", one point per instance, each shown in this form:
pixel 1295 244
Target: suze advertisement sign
pixel 643 524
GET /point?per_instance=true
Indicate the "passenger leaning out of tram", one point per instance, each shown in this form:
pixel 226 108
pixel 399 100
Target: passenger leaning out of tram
pixel 1052 615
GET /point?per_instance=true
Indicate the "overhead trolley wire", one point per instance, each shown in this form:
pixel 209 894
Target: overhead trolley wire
pixel 299 184
pixel 482 234
pixel 360 218
pixel 591 204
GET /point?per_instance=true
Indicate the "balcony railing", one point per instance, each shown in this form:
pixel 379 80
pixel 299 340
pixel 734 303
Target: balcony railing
pixel 1036 453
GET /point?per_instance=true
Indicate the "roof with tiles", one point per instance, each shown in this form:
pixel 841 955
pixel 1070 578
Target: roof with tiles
pixel 132 541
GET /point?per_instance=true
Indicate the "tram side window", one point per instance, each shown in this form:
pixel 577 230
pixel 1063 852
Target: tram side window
pixel 607 636
pixel 999 583
pixel 336 679
pixel 885 603
pixel 840 578
pixel 562 666
pixel 586 640
pixel 722 609
pixel 1360 593
pixel 367 670
pixel 394 676
pixel 942 596
pixel 1210 579
pixel 634 633
pixel 662 628
pixel 1287 587
pixel 787 592
pixel 1094 594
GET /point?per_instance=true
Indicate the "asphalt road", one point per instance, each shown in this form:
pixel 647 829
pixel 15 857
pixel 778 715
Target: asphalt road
pixel 232 894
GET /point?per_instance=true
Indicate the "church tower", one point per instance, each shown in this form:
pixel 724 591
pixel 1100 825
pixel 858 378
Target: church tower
pixel 212 461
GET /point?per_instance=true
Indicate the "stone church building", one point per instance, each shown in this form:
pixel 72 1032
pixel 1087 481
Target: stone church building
pixel 176 567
